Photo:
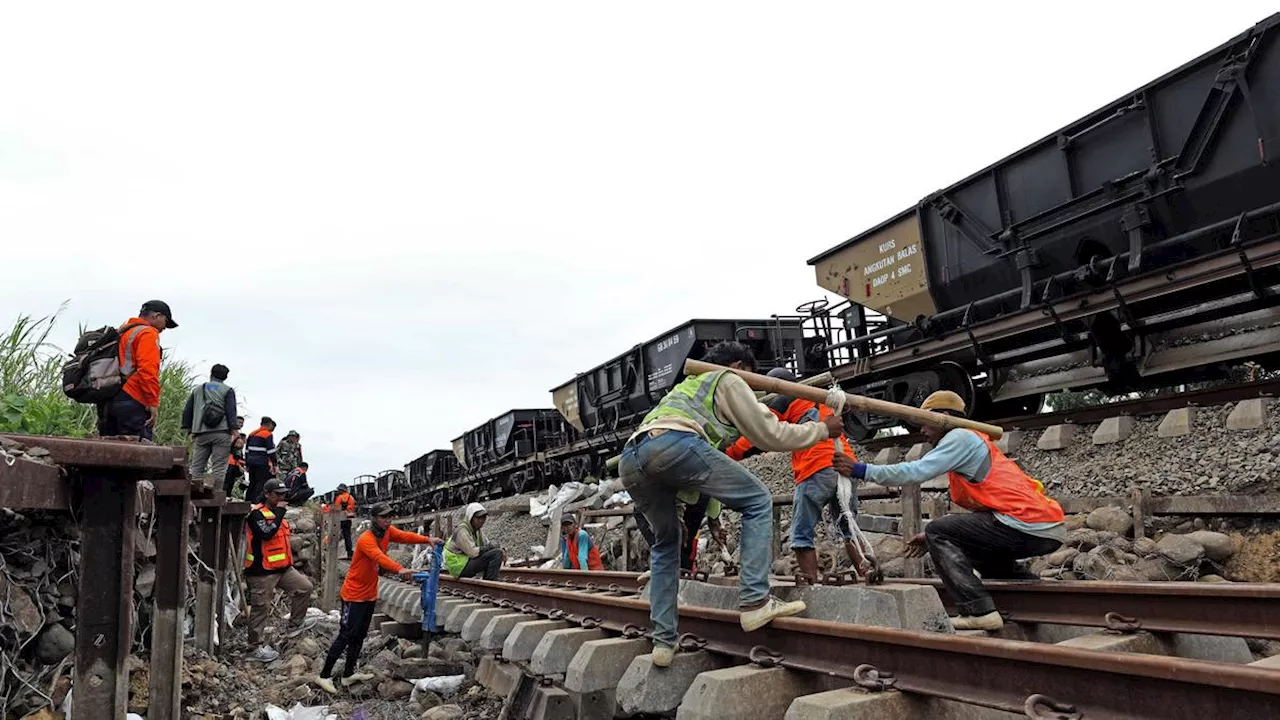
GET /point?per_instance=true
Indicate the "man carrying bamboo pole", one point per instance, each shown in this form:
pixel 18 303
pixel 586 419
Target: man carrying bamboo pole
pixel 1011 518
pixel 679 446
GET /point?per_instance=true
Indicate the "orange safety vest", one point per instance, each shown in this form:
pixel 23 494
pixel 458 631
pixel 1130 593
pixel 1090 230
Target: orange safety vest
pixel 346 502
pixel 593 556
pixel 811 460
pixel 1006 489
pixel 276 552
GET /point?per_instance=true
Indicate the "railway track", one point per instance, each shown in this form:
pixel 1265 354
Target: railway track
pixel 924 672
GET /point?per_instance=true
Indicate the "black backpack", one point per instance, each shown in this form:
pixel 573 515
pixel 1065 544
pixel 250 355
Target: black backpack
pixel 215 408
pixel 93 373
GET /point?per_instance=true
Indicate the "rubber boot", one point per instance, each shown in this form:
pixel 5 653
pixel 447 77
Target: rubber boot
pixel 807 559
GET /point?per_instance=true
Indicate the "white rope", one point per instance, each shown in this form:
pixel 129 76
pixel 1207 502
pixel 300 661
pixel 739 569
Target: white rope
pixel 844 485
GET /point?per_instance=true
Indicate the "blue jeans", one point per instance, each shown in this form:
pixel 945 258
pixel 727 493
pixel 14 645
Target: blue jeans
pixel 818 491
pixel 653 470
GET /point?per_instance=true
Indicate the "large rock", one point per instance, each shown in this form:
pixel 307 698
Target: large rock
pixel 56 642
pixel 26 615
pixel 444 712
pixel 1159 568
pixel 309 647
pixel 418 668
pixel 1217 547
pixel 1111 519
pixel 1145 547
pixel 395 690
pixel 1180 549
pixel 1084 539
pixel 1062 556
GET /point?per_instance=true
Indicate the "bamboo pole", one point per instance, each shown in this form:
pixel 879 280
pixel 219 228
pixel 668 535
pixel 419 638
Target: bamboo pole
pixel 857 402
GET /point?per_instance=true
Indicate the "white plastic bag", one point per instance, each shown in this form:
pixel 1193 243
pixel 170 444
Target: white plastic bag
pixel 443 685
pixel 299 712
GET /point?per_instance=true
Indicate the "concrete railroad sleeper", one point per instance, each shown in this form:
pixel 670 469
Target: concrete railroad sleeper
pixel 1237 609
pixel 1013 676
pixel 1156 405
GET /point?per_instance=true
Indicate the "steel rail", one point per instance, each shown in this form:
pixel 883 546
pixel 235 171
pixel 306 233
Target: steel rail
pixel 1007 675
pixel 1234 609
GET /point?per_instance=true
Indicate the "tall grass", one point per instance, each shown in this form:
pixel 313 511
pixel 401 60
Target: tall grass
pixel 31 399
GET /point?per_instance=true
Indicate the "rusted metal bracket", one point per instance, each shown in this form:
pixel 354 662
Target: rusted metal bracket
pixel 869 677
pixel 690 642
pixel 764 657
pixel 1121 625
pixel 1041 707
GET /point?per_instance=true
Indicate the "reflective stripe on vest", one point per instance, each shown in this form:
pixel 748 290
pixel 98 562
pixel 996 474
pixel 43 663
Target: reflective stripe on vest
pixel 126 363
pixel 276 552
pixel 694 399
pixel 1006 489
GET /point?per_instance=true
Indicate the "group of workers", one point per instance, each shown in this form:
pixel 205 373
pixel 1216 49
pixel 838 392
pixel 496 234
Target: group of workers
pixel 687 448
pixel 681 465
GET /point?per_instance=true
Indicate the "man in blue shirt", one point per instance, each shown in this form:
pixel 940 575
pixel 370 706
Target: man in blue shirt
pixel 1010 517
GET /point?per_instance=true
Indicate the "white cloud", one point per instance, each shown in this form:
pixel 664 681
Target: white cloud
pixel 396 221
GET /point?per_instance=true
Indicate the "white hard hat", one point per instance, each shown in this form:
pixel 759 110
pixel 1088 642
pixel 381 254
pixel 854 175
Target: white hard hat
pixel 475 509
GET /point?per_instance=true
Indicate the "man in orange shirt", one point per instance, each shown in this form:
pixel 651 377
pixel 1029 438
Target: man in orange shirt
pixel 360 592
pixel 134 409
pixel 347 504
pixel 815 471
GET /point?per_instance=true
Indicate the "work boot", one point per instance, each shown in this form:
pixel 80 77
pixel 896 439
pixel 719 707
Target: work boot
pixel 326 685
pixel 663 655
pixel 990 621
pixel 807 559
pixel 307 624
pixel 354 678
pixel 264 654
pixel 761 615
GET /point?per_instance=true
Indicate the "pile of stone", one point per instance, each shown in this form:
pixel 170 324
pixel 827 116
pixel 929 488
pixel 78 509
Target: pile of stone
pixel 1210 460
pixel 39 564
pixel 1099 547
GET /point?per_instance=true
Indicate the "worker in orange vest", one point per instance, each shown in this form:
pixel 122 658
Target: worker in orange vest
pixel 268 564
pixel 344 501
pixel 816 470
pixel 577 552
pixel 1010 516
pixel 360 592
pixel 134 410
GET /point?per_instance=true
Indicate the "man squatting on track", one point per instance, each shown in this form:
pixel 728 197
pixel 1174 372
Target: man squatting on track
pixel 1011 517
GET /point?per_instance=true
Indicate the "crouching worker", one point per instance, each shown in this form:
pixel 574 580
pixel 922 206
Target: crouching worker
pixel 1011 518
pixel 360 593
pixel 816 470
pixel 268 564
pixel 467 554
pixel 577 552
pixel 679 446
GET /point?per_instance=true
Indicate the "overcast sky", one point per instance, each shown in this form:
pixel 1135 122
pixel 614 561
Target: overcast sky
pixel 394 221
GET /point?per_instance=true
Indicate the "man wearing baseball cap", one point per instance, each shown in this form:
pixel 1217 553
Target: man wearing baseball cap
pixel 268 564
pixel 360 592
pixel 1010 516
pixel 134 410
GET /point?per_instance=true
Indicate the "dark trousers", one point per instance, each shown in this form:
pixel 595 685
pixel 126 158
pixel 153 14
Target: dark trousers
pixel 355 625
pixel 346 535
pixel 123 415
pixel 233 475
pixel 487 563
pixel 258 477
pixel 961 543
pixel 693 515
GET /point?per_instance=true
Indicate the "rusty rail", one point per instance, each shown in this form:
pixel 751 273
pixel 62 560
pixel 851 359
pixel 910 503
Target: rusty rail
pixel 988 672
pixel 1234 609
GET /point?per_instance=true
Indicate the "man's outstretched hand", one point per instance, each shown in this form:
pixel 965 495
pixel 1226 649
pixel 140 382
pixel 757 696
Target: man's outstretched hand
pixel 916 546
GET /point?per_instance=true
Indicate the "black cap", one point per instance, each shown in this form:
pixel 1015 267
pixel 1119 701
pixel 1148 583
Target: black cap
pixel 567 519
pixel 273 485
pixel 161 307
pixel 219 372
pixel 382 510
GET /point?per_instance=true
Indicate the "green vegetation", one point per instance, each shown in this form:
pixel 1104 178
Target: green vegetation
pixel 31 400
